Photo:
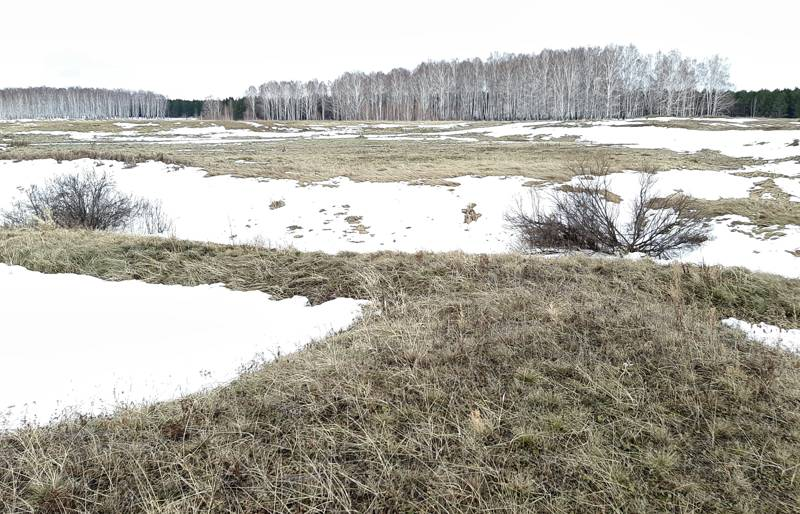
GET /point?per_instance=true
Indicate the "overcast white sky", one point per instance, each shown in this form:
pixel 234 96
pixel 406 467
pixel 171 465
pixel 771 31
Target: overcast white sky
pixel 197 49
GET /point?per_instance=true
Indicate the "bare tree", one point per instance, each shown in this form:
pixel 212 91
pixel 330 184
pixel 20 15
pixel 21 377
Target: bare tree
pixel 251 95
pixel 577 83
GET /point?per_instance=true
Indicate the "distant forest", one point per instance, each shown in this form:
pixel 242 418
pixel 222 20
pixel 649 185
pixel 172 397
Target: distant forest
pixel 79 103
pixel 580 83
pixel 779 103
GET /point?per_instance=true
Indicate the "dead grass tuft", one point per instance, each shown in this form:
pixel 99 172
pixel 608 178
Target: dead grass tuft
pixel 470 214
pixel 130 158
pixel 767 206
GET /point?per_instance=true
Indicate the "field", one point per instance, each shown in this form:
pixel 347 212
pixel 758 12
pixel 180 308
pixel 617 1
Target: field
pixel 313 153
pixel 475 378
pixel 357 186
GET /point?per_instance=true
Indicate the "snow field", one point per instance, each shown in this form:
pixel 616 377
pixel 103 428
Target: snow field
pixel 343 215
pixel 76 343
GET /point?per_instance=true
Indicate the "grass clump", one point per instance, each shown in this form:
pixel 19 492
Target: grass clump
pixel 766 206
pixel 130 158
pixel 500 383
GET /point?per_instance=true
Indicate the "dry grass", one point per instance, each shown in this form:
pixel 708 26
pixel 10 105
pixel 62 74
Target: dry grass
pixel 321 277
pixel 767 206
pixel 309 160
pixel 146 126
pixel 142 126
pixel 609 196
pixel 364 160
pixel 110 153
pixel 497 383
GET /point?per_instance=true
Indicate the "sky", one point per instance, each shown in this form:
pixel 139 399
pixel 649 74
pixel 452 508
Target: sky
pixel 199 49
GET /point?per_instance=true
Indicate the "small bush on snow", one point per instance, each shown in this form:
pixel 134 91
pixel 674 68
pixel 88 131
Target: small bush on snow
pixel 584 219
pixel 87 200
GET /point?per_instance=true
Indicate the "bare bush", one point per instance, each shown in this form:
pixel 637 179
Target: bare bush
pixel 151 219
pixel 585 219
pixel 86 200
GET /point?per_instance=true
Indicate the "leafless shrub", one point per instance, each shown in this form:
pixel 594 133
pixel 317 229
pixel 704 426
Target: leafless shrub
pixel 584 219
pixel 86 200
pixel 597 165
pixel 152 219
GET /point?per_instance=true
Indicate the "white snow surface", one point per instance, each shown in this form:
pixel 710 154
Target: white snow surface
pixel 764 144
pixel 74 343
pixel 201 131
pixel 703 184
pixel 791 186
pixel 767 334
pixel 734 244
pixel 343 215
pixel 224 209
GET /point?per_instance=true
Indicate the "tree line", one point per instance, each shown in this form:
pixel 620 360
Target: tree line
pixel 579 83
pixel 76 102
pixel 778 103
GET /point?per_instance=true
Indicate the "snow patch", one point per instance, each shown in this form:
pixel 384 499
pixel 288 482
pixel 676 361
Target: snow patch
pixel 765 144
pixel 342 215
pixel 77 343
pixel 703 184
pixel 224 209
pixel 733 243
pixel 127 125
pixel 790 186
pixel 767 334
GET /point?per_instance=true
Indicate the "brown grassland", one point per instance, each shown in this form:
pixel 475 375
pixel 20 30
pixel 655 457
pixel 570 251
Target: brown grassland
pixel 384 161
pixel 311 160
pixel 473 384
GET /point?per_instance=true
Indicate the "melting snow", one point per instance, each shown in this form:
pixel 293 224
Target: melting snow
pixel 342 215
pixel 200 131
pixel 765 144
pixel 74 342
pixel 790 186
pixel 733 243
pixel 707 185
pixel 767 334
pixel 331 216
